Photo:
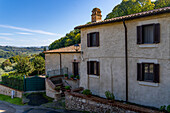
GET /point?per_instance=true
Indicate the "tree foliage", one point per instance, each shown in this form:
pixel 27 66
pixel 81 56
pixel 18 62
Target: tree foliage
pixel 24 66
pixel 127 7
pixel 39 63
pixel 6 63
pixel 71 38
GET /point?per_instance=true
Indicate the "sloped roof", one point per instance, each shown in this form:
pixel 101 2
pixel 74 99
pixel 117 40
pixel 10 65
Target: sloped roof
pixel 69 49
pixel 128 17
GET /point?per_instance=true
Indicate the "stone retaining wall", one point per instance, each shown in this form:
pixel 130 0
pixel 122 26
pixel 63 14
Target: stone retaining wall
pixel 7 91
pixel 76 101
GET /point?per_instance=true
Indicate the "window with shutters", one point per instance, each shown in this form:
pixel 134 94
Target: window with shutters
pixel 148 72
pixel 93 68
pixel 148 34
pixel 93 39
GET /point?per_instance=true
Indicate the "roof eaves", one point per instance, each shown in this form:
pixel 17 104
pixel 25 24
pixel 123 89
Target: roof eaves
pixel 127 17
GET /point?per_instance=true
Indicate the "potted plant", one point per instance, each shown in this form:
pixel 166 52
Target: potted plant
pixel 87 92
pixel 168 108
pixel 46 76
pixel 72 77
pixel 110 96
pixel 162 108
pixel 67 88
pixel 66 76
pixel 58 88
pixel 78 77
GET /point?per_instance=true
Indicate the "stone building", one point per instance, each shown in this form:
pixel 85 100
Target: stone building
pixel 63 61
pixel 128 55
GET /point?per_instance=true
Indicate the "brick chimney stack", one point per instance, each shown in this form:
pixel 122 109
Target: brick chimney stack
pixel 96 15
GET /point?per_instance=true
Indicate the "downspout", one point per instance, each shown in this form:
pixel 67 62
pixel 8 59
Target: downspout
pixel 126 59
pixel 60 63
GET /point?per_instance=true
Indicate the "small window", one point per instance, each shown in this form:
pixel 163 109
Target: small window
pixel 148 72
pixel 93 39
pixel 148 34
pixel 93 68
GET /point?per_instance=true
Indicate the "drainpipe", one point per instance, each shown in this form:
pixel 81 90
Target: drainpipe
pixel 60 63
pixel 126 59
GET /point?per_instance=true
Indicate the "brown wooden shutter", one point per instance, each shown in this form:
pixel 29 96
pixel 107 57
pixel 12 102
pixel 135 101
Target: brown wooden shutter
pixel 88 67
pixel 88 40
pixel 156 73
pixel 139 34
pixel 157 33
pixel 97 39
pixel 139 72
pixel 98 68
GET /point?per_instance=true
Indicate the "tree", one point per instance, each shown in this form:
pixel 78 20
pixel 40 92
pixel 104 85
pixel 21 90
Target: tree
pixel 24 66
pixel 162 3
pixel 71 38
pixel 6 63
pixel 127 7
pixel 39 63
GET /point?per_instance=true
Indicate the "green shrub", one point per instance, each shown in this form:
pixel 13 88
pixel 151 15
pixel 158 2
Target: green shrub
pixel 58 88
pixel 87 92
pixel 109 95
pixel 162 108
pixel 168 108
pixel 13 80
pixel 66 75
pixel 67 87
pixel 72 76
pixel 78 77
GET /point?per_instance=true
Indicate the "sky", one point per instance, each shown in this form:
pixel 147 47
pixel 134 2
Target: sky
pixel 26 23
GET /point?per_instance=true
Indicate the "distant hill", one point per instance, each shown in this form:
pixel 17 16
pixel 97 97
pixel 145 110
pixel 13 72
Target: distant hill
pixel 9 51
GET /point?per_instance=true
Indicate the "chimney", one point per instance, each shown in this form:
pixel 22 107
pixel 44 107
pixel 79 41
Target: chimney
pixel 96 15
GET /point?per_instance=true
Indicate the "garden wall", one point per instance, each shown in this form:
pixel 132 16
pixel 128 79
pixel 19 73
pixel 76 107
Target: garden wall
pixel 7 91
pixel 76 101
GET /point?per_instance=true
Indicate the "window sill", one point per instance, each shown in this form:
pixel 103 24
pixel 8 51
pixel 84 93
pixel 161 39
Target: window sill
pixel 94 76
pixel 93 47
pixel 148 83
pixel 148 45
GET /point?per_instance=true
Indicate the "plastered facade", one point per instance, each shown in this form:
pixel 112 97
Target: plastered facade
pixel 111 55
pixel 52 61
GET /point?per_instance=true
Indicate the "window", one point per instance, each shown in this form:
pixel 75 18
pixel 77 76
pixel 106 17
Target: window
pixel 93 39
pixel 93 68
pixel 148 72
pixel 148 34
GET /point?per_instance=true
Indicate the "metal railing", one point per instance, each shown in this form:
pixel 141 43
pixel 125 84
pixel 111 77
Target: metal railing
pixel 57 72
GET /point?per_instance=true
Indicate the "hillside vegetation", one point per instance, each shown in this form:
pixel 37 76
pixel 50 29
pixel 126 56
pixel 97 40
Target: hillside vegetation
pixel 9 51
pixel 71 38
pixel 127 7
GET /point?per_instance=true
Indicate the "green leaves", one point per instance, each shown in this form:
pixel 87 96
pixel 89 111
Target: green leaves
pixel 39 63
pixel 70 39
pixel 127 7
pixel 24 66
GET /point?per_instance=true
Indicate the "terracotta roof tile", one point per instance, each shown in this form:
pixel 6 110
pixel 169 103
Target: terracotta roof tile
pixel 69 49
pixel 128 17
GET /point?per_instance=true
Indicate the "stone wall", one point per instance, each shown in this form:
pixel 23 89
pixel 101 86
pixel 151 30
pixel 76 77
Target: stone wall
pixel 7 91
pixel 80 102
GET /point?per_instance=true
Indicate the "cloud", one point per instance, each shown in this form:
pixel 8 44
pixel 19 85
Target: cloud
pixel 5 38
pixel 29 30
pixel 6 34
pixel 23 33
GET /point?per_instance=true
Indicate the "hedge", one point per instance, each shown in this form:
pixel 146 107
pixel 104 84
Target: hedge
pixel 13 80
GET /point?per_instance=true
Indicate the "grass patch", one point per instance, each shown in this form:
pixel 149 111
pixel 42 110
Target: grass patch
pixel 15 100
